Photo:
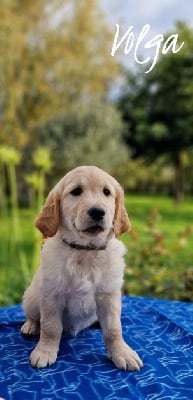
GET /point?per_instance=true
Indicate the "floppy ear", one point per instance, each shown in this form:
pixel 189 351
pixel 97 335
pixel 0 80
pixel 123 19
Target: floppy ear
pixel 48 219
pixel 121 219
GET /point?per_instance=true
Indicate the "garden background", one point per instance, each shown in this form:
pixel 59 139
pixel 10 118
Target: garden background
pixel 64 101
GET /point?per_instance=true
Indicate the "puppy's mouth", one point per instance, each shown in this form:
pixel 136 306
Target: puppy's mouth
pixel 94 230
pixel 91 230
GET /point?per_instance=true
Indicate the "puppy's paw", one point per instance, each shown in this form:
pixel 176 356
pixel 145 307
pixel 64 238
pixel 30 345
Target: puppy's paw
pixel 30 327
pixel 41 358
pixel 125 358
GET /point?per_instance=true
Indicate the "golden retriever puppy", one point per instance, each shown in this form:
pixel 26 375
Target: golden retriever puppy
pixel 81 272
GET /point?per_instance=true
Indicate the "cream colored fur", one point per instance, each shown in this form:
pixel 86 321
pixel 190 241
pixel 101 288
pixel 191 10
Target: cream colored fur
pixel 73 288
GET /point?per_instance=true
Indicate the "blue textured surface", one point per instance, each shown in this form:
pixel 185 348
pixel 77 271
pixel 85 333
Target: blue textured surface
pixel 161 331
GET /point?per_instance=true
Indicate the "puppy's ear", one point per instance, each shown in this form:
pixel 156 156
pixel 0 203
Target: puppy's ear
pixel 48 219
pixel 121 219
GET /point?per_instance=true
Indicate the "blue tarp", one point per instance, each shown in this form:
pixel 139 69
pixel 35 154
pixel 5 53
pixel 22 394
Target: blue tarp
pixel 161 331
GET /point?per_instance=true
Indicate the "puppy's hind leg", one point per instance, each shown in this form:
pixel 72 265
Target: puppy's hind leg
pixel 31 309
pixel 30 327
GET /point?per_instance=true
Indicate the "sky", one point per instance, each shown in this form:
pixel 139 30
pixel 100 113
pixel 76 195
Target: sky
pixel 160 14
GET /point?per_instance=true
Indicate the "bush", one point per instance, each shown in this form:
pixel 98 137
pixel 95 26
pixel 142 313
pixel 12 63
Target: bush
pixel 155 267
pixel 89 134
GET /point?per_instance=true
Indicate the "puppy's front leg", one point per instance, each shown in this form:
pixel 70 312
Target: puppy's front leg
pixel 45 353
pixel 109 310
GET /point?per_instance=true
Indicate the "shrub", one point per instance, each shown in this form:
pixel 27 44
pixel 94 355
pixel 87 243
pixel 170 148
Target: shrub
pixel 155 268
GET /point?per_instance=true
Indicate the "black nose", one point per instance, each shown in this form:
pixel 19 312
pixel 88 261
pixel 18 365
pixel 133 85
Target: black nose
pixel 96 213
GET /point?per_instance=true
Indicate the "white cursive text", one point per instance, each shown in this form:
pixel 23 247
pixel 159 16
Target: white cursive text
pixel 129 38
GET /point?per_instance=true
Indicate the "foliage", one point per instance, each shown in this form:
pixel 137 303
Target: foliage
pixel 9 159
pixel 99 141
pixel 158 108
pixel 159 258
pixel 42 161
pixel 140 176
pixel 88 134
pixel 12 252
pixel 52 54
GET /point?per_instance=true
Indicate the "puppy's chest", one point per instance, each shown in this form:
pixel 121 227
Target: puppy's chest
pixel 86 271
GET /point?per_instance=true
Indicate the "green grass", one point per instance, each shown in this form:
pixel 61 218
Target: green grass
pixel 171 221
pixel 16 272
pixel 155 267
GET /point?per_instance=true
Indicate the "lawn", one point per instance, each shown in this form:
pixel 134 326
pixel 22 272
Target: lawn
pixel 169 218
pixel 159 259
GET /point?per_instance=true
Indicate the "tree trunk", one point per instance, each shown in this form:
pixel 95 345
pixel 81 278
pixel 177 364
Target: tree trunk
pixel 178 179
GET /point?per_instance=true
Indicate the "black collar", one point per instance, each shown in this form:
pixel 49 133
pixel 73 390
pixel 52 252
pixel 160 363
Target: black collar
pixel 81 247
pixel 77 246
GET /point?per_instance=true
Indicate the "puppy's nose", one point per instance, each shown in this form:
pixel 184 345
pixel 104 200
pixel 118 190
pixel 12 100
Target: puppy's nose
pixel 96 213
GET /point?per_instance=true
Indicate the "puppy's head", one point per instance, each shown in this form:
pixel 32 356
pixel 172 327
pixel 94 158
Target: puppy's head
pixel 86 204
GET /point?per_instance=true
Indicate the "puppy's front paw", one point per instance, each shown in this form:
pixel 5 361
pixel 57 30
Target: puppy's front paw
pixel 125 358
pixel 41 358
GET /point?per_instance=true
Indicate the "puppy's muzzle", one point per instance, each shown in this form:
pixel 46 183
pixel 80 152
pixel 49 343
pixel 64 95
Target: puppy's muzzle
pixel 96 213
pixel 96 220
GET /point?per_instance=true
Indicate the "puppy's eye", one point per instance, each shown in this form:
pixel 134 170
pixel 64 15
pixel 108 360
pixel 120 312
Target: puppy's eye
pixel 77 191
pixel 106 192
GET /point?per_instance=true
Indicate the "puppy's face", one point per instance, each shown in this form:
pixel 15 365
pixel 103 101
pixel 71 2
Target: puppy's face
pixel 87 203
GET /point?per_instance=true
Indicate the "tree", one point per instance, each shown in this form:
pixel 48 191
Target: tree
pixel 158 108
pixel 87 135
pixel 51 54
